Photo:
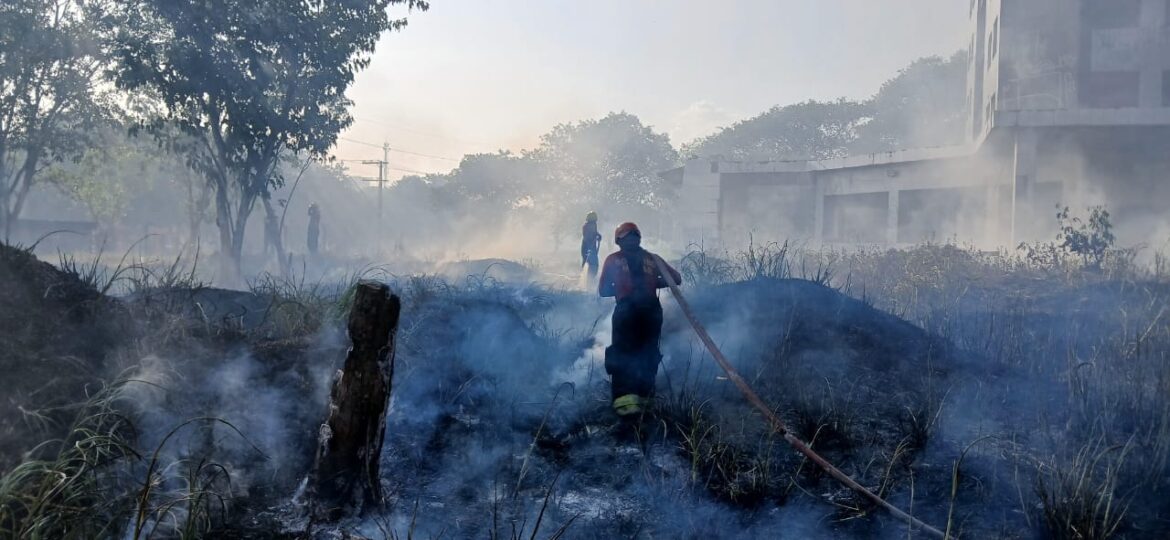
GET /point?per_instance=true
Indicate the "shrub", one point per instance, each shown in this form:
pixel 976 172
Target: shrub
pixel 1090 239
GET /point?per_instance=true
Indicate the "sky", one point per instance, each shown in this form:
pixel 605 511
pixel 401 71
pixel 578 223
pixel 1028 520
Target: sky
pixel 472 76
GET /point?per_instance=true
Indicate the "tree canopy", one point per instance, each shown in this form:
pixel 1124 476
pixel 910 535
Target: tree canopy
pixel 610 164
pixel 922 106
pixel 50 62
pixel 250 81
pixel 809 130
pixel 613 160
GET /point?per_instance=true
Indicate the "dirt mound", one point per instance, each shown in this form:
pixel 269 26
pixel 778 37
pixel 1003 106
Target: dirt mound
pixel 501 270
pixel 492 407
pixel 806 318
pixel 862 385
pixel 55 331
pixel 222 308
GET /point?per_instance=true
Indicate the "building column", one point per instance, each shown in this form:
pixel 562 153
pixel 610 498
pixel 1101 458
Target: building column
pixel 1023 183
pixel 1150 79
pixel 994 215
pixel 892 218
pixel 819 213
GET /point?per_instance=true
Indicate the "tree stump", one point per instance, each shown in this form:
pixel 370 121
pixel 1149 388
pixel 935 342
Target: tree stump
pixel 345 477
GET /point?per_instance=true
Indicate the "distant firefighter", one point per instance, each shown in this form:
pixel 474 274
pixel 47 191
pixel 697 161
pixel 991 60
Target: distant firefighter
pixel 314 229
pixel 590 243
pixel 271 232
pixel 631 276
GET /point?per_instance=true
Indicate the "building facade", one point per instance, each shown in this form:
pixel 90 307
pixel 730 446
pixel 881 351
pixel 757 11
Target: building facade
pixel 1068 102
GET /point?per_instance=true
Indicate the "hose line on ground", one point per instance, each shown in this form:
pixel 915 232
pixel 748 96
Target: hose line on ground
pixel 777 424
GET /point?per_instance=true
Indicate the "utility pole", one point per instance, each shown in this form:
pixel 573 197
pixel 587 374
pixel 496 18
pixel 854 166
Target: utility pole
pixel 383 170
pixel 382 173
pixel 383 164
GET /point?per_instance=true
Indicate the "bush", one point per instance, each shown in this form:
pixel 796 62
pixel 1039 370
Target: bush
pixel 1091 239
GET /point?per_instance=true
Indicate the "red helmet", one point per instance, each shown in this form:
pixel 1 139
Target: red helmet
pixel 624 229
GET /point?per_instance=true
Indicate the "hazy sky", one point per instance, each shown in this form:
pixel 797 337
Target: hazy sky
pixel 481 75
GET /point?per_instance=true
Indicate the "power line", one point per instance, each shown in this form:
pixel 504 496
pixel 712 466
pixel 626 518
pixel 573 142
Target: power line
pixel 413 171
pixel 364 143
pixel 417 132
pixel 400 151
pixel 423 155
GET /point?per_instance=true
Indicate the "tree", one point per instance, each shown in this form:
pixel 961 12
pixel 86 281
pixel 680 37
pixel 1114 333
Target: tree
pixel 49 64
pixel 101 179
pixel 495 181
pixel 809 130
pixel 924 105
pixel 250 82
pixel 119 175
pixel 610 164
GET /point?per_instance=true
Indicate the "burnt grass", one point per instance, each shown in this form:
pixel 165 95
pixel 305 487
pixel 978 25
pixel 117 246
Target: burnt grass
pixel 55 333
pixel 862 386
pixel 996 401
pixel 153 359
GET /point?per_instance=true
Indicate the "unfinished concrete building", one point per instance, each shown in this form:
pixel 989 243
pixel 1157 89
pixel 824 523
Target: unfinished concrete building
pixel 1069 104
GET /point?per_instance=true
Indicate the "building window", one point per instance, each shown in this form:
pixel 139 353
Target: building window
pixel 1102 14
pixel 993 41
pixel 1111 89
pixel 995 36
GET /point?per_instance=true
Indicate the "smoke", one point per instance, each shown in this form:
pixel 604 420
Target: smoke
pixel 500 399
pixel 590 365
pixel 253 417
pixel 699 119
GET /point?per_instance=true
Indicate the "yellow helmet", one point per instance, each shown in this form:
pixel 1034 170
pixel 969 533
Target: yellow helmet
pixel 591 216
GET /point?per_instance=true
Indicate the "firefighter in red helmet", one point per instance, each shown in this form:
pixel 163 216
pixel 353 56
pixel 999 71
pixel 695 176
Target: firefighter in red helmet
pixel 632 277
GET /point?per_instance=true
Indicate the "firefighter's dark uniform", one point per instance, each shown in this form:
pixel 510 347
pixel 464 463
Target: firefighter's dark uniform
pixel 632 276
pixel 590 242
pixel 314 235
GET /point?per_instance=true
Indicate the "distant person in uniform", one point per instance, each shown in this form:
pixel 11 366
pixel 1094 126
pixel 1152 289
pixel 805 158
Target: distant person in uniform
pixel 632 277
pixel 314 229
pixel 590 243
pixel 271 231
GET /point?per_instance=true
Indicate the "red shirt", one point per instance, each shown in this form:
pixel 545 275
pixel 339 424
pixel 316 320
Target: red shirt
pixel 617 280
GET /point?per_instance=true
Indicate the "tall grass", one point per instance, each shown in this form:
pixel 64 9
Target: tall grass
pixel 89 484
pixel 1111 360
pixel 75 489
pixel 1100 333
pixel 703 268
pixel 1079 497
pixel 185 503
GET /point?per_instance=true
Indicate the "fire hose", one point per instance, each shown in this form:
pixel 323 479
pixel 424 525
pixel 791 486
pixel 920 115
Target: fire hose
pixel 776 423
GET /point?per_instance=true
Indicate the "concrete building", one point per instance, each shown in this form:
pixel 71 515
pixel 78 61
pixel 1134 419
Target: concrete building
pixel 1069 103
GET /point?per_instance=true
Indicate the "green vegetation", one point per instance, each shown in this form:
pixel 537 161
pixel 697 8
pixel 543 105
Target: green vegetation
pixel 274 94
pixel 1091 239
pixel 920 107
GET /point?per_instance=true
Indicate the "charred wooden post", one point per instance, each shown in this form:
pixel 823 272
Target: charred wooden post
pixel 345 476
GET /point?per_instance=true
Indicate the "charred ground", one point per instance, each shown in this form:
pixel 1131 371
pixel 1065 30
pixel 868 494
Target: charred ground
pixel 1003 401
